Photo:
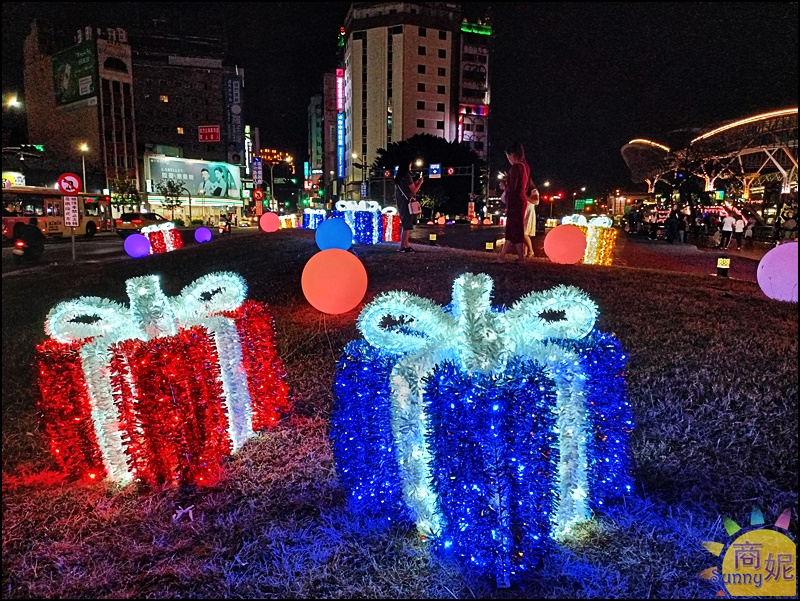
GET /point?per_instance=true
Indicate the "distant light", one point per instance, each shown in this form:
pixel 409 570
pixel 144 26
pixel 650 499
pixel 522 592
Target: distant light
pixel 752 119
pixel 649 143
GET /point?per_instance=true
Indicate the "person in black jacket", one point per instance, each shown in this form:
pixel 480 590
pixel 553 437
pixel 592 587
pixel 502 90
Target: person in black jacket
pixel 31 235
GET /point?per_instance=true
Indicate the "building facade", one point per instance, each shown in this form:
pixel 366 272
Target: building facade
pixel 411 68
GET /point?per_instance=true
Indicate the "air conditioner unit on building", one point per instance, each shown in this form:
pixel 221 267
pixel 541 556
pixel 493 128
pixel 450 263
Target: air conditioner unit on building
pixel 122 35
pixel 111 33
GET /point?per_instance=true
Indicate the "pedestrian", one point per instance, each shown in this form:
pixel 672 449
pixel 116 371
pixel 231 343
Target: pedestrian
pixel 748 231
pixel 738 231
pixel 530 218
pixel 789 227
pixel 681 228
pixel 672 227
pixel 727 230
pixel 405 191
pixel 516 201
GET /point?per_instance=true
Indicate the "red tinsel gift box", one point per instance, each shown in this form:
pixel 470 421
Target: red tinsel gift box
pixel 175 405
pixel 390 227
pixel 163 238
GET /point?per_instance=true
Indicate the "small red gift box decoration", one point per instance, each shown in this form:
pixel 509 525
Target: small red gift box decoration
pixel 163 238
pixel 390 225
pixel 162 390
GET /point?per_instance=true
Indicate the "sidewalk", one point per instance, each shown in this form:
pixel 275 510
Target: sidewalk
pixel 640 252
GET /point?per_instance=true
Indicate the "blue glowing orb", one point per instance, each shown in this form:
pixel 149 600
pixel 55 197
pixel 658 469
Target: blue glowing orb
pixel 202 234
pixel 137 245
pixel 334 233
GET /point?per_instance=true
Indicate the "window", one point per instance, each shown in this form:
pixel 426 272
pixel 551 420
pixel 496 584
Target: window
pixel 440 107
pixel 421 50
pixel 442 35
pixel 423 32
pixel 420 87
pixel 180 131
pixel 420 105
pixel 421 69
pixel 421 123
pixel 440 125
pixel 163 98
pixel 440 89
pixel 442 72
pixel 442 53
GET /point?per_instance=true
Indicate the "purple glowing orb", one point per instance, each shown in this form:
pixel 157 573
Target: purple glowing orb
pixel 202 234
pixel 777 273
pixel 137 245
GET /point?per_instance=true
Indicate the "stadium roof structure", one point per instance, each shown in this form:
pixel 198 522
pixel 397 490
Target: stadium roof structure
pixel 748 151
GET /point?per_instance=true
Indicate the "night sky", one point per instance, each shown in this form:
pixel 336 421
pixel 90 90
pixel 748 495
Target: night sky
pixel 573 81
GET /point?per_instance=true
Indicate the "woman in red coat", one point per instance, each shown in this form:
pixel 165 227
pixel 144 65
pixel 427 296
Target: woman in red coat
pixel 516 202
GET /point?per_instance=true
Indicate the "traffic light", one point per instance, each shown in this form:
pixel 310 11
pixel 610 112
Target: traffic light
pixel 36 148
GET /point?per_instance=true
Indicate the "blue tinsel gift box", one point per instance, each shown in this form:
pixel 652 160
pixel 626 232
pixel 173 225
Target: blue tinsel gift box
pixel 492 430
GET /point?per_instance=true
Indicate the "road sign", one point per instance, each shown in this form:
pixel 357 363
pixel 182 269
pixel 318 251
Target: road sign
pixel 435 170
pixel 71 215
pixel 363 189
pixel 451 171
pixel 258 171
pixel 69 183
pixel 258 194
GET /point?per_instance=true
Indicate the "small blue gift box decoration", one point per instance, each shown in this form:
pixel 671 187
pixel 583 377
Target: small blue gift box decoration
pixel 496 431
pixel 363 217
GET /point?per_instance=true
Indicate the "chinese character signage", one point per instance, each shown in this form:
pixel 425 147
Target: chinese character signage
pixel 340 90
pixel 340 143
pixel 258 171
pixel 233 100
pixel 208 133
pixel 71 216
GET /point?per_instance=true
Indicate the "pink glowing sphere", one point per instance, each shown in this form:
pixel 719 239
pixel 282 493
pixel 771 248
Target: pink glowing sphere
pixel 441 221
pixel 565 244
pixel 269 222
pixel 777 273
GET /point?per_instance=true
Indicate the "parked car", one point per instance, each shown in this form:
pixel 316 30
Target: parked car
pixel 132 223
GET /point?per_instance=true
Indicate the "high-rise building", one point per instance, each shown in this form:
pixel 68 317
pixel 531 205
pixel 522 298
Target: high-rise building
pixel 313 182
pixel 411 68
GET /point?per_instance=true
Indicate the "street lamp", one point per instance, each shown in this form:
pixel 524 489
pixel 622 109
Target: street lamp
pixel 84 148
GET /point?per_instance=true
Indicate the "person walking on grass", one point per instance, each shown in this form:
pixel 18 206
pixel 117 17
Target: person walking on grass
pixel 516 201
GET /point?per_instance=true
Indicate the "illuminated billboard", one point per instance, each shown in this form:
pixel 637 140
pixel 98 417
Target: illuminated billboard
pixel 75 74
pixel 340 90
pixel 205 180
pixel 340 143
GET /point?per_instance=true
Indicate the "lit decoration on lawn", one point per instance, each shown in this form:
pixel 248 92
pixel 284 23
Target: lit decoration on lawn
pixel 163 389
pixel 565 244
pixel 363 217
pixel 269 222
pixel 601 238
pixel 203 234
pixel 574 220
pixel 441 221
pixel 390 225
pixel 163 237
pixel 334 233
pixel 137 246
pixel 288 221
pixel 493 430
pixel 777 273
pixel 313 217
pixel 334 281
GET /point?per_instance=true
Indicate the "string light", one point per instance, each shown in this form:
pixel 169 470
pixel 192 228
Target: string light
pixel 363 217
pixel 313 217
pixel 494 430
pixel 390 225
pixel 163 389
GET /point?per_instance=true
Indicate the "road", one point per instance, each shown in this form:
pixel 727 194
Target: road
pixel 631 251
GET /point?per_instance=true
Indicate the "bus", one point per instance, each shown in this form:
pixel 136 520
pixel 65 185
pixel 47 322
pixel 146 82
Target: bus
pixel 20 203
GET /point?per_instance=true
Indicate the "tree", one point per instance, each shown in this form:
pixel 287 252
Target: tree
pixel 448 194
pixel 124 192
pixel 171 191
